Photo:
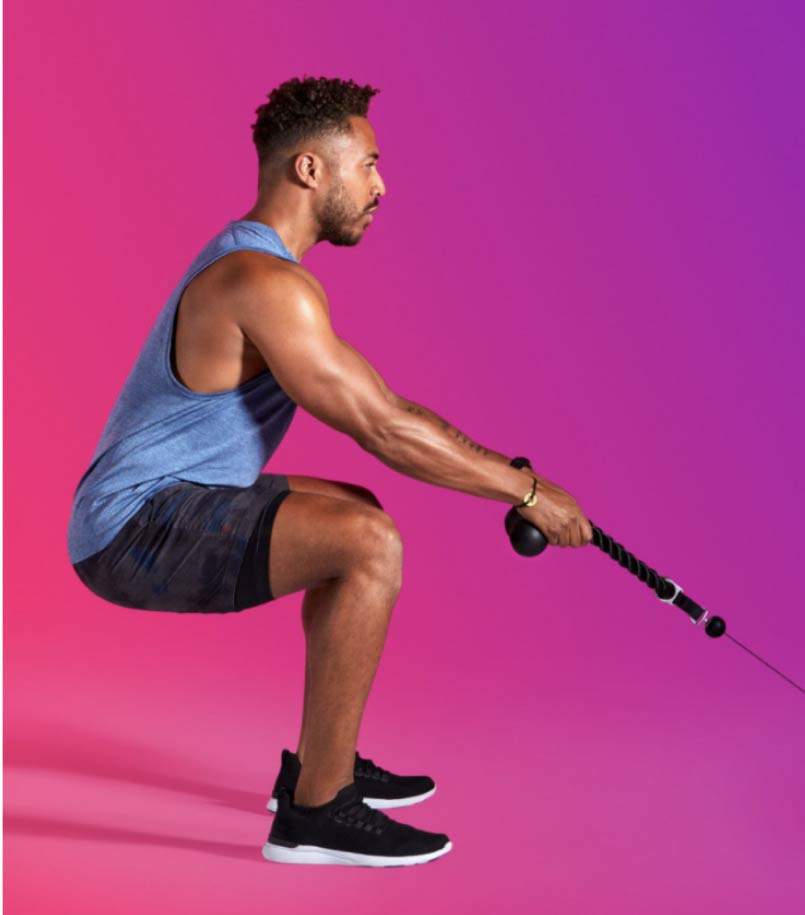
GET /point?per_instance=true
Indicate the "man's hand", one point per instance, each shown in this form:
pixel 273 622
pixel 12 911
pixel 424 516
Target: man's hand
pixel 558 515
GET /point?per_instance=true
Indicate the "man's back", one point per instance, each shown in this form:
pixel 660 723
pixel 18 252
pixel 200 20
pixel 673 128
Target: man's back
pixel 202 429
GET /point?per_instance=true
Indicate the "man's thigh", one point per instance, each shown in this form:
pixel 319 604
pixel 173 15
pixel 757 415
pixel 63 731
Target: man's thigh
pixel 320 530
pixel 332 488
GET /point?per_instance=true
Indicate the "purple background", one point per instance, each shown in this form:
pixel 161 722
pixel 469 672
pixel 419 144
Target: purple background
pixel 590 253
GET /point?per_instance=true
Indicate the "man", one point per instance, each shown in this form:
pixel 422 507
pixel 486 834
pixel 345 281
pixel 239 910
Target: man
pixel 174 512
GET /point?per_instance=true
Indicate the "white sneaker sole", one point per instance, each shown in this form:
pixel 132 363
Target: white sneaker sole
pixel 379 803
pixel 313 854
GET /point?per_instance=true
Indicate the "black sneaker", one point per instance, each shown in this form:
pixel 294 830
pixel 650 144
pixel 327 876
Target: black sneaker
pixel 345 830
pixel 377 786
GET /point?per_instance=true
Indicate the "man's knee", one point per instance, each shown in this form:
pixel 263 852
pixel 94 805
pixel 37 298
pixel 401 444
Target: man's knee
pixel 378 542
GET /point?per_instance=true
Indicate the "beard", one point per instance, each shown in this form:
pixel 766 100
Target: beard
pixel 339 220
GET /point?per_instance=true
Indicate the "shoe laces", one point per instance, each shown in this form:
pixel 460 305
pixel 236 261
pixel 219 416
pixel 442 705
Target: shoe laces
pixel 361 815
pixel 367 769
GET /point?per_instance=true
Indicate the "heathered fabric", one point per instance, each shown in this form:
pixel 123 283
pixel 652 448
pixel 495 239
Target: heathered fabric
pixel 159 432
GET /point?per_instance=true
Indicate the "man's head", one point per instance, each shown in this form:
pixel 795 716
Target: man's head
pixel 313 141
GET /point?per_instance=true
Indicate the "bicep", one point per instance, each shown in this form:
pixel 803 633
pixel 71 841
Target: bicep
pixel 287 321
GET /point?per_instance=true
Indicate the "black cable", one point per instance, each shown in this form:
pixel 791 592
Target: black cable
pixel 766 663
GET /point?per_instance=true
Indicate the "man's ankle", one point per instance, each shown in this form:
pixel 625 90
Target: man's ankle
pixel 316 796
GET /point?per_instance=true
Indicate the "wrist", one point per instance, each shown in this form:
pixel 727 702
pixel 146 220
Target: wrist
pixel 530 496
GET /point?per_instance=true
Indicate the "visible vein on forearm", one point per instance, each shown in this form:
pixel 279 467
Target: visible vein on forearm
pixel 448 429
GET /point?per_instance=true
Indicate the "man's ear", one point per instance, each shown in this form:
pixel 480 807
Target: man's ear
pixel 309 168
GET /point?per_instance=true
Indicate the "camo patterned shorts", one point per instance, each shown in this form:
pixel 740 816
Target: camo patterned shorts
pixel 192 549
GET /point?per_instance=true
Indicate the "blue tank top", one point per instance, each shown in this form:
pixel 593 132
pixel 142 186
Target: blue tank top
pixel 160 432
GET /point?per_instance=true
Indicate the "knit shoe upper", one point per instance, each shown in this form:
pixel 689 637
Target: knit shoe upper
pixel 377 786
pixel 346 830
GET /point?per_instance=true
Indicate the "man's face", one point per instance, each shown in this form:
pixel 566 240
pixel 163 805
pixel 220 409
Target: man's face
pixel 355 186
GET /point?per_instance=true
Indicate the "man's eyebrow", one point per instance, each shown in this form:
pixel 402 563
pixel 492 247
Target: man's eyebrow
pixel 376 155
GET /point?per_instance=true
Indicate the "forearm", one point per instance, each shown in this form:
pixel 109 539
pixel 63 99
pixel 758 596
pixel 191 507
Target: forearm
pixel 419 443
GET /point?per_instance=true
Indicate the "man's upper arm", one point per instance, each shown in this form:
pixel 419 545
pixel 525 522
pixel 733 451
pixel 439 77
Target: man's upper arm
pixel 286 318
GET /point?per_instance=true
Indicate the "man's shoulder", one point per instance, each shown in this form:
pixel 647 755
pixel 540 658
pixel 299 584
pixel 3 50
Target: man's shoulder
pixel 253 277
pixel 252 267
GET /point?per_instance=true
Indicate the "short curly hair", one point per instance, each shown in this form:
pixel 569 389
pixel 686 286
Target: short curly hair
pixel 304 109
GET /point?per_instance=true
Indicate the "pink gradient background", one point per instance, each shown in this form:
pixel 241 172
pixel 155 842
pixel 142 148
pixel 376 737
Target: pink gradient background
pixel 590 253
